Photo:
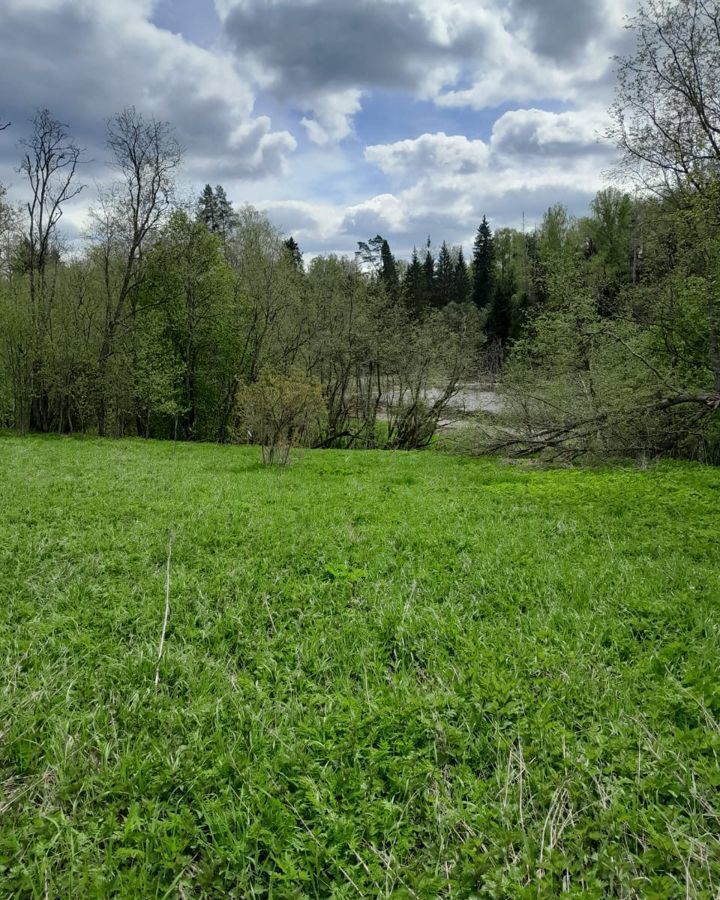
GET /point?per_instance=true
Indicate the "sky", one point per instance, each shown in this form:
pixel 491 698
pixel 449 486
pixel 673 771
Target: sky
pixel 341 119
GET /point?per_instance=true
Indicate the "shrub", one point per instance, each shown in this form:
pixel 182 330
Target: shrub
pixel 279 412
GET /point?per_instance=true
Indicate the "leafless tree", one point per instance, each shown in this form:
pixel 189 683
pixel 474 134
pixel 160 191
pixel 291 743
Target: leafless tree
pixel 146 155
pixel 8 229
pixel 50 161
pixel 666 116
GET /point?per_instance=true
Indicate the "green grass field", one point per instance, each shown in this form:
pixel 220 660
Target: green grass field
pixel 406 675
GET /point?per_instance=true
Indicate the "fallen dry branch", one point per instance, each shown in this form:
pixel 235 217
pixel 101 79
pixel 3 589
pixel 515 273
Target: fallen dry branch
pixel 567 439
pixel 167 608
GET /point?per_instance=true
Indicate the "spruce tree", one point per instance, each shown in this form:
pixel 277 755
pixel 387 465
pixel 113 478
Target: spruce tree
pixel 413 284
pixel 293 249
pixel 428 278
pixel 444 272
pixel 227 218
pixel 461 279
pixel 206 210
pixel 499 324
pixel 483 261
pixel 388 272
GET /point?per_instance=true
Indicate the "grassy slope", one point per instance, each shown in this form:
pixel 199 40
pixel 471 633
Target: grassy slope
pixel 384 673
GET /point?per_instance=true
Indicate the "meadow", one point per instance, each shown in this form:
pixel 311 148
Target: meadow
pixel 384 675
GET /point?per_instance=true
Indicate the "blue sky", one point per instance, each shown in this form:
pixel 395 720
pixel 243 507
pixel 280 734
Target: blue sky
pixel 341 120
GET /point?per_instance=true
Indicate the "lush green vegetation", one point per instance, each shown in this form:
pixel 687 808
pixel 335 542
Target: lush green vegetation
pixel 399 674
pixel 194 320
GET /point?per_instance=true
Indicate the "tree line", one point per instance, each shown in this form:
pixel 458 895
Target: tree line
pixel 621 352
pixel 169 312
pixel 202 321
pixel 432 281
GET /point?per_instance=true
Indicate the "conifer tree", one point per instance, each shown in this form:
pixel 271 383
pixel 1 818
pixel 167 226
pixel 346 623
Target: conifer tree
pixel 369 253
pixel 428 278
pixel 413 284
pixel 293 249
pixel 227 218
pixel 207 209
pixel 500 320
pixel 388 272
pixel 444 276
pixel 216 211
pixel 461 279
pixel 506 243
pixel 483 261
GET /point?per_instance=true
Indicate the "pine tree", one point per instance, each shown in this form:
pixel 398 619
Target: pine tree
pixel 461 279
pixel 444 280
pixel 369 253
pixel 216 211
pixel 293 249
pixel 413 284
pixel 483 261
pixel 388 272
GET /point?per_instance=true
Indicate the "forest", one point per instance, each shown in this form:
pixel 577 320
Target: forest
pixel 200 321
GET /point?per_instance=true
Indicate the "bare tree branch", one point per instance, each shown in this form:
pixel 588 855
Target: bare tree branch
pixel 146 155
pixel 667 114
pixel 49 163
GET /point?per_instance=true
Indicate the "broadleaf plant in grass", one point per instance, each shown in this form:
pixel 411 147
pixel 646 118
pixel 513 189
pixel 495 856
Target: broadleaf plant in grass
pixel 384 674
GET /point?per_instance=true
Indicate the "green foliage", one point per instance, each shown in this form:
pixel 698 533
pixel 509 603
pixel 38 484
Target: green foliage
pixel 444 277
pixel 384 674
pixel 279 413
pixel 388 272
pixel 428 282
pixel 500 316
pixel 483 266
pixel 296 256
pixel 461 289
pixel 216 212
pixel 611 244
pixel 621 355
pixel 187 300
pixel 413 285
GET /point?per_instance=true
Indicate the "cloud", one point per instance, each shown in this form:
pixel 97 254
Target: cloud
pixel 560 29
pixel 335 72
pixel 437 153
pixel 539 133
pixel 555 142
pixel 85 61
pixel 316 222
pixel 312 45
pixel 384 212
pixel 444 184
pixel 324 56
pixel 332 116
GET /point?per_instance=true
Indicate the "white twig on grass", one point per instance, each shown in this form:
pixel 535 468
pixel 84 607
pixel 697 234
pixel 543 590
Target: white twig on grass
pixel 167 607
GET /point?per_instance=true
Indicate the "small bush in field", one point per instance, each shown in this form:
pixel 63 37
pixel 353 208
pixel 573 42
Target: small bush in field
pixel 279 412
